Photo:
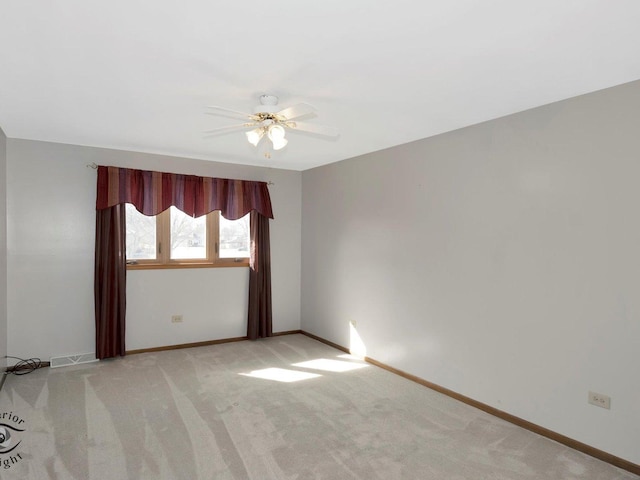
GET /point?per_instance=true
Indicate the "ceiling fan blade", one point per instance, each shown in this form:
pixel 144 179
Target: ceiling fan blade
pixel 228 129
pixel 313 128
pixel 296 111
pixel 228 112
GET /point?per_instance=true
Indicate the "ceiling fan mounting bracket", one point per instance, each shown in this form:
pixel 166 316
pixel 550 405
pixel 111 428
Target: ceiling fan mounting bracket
pixel 268 100
pixel 268 104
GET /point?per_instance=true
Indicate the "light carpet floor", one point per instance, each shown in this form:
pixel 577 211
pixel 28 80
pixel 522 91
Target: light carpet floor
pixel 226 412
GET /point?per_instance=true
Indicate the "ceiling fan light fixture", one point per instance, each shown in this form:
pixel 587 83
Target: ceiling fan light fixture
pixel 276 135
pixel 254 136
pixel 276 132
pixel 279 143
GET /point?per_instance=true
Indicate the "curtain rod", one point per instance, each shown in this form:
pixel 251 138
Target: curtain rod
pixel 95 167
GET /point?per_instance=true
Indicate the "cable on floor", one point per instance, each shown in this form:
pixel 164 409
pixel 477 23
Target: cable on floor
pixel 24 366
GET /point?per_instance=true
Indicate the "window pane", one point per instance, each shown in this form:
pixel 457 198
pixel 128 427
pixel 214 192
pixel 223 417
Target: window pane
pixel 188 236
pixel 141 235
pixel 234 237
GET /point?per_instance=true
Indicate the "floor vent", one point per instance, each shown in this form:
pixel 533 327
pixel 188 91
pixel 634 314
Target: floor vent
pixel 68 360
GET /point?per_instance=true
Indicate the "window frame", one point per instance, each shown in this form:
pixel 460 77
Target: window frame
pixel 163 258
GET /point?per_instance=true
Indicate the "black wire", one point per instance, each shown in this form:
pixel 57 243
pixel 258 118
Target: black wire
pixel 24 366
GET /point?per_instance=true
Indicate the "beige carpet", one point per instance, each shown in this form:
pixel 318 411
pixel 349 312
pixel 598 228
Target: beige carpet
pixel 195 414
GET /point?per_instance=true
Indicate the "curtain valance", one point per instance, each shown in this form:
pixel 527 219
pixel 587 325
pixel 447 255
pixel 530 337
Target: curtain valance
pixel 153 192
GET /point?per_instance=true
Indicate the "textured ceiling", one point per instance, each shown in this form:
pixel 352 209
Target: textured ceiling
pixel 136 75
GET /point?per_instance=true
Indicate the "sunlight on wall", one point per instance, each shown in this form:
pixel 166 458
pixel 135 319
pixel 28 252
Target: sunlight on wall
pixel 356 345
pixel 330 365
pixel 281 375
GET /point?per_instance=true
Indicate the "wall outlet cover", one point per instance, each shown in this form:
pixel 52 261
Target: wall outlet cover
pixel 600 400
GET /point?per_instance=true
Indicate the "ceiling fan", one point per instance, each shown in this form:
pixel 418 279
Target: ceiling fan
pixel 268 120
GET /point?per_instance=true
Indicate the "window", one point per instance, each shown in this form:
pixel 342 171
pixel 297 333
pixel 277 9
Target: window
pixel 173 239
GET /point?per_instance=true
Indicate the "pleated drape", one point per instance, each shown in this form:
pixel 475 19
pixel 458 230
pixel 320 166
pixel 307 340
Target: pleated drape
pixel 259 322
pixel 110 281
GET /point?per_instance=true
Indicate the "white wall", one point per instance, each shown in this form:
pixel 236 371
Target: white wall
pixel 501 261
pixel 51 232
pixel 3 250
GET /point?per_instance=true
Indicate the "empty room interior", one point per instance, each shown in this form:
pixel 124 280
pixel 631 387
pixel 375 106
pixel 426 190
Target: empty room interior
pixel 320 241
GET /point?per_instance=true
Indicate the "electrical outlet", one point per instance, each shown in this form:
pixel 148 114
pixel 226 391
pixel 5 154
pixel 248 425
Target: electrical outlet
pixel 600 400
pixel 176 319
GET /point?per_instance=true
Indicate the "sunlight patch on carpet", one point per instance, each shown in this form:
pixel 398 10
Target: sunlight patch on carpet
pixel 330 365
pixel 281 375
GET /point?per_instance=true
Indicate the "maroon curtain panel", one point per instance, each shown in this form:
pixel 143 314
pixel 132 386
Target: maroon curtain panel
pixel 259 318
pixel 110 281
